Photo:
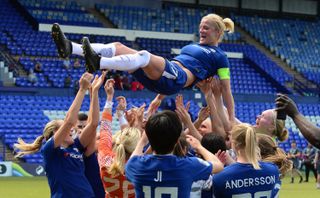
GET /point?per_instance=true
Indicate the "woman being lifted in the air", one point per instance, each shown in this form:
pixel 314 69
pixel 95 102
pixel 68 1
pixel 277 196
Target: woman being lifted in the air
pixel 195 63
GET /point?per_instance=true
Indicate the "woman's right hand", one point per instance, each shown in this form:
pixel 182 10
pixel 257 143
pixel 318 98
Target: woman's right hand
pixel 85 81
pixel 109 87
pixel 98 81
pixel 194 142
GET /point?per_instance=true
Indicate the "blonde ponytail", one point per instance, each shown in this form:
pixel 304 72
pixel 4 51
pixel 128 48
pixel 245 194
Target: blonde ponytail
pixel 220 24
pixel 125 142
pixel 244 138
pixel 251 148
pixel 229 24
pixel 34 147
pixel 26 148
pixel 117 167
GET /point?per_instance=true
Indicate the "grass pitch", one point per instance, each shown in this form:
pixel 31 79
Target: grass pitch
pixel 37 187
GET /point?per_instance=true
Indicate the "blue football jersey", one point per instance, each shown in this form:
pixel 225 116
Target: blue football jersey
pixel 203 60
pixel 161 176
pixel 92 172
pixel 65 170
pixel 242 180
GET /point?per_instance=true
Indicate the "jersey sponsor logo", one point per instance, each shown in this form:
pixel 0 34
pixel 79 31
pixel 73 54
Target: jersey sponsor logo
pixel 249 182
pixel 73 155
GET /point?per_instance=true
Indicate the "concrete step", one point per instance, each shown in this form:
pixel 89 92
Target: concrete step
pixel 8 154
pixel 101 17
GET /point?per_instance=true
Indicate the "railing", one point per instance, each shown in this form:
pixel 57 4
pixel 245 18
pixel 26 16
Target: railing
pixel 308 89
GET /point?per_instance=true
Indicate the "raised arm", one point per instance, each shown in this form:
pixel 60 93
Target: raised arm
pixel 310 131
pixel 223 115
pixel 121 108
pixel 72 115
pixel 185 118
pixel 228 98
pixel 141 144
pixel 105 143
pixel 217 127
pixel 217 166
pixel 88 134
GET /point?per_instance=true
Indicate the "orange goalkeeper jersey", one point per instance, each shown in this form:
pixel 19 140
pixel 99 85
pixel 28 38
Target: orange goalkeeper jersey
pixel 115 187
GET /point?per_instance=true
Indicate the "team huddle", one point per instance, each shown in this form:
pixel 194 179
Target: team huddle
pixel 161 153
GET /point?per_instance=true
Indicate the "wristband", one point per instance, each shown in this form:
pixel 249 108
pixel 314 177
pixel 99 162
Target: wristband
pixel 108 105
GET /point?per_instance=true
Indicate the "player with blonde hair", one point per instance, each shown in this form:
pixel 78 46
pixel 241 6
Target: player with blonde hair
pixel 63 155
pixel 195 63
pixel 113 152
pixel 248 177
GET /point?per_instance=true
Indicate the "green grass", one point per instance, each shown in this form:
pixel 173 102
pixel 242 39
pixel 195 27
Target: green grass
pixel 296 190
pixel 37 187
pixel 24 187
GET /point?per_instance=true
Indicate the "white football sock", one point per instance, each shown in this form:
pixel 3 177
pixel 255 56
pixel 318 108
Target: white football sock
pixel 105 50
pixel 77 49
pixel 126 62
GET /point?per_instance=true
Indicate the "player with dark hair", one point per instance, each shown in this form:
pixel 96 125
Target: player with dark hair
pixel 163 173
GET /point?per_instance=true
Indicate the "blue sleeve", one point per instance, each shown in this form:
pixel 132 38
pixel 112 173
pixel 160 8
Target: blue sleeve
pixel 191 152
pixel 48 148
pixel 276 190
pixel 223 62
pixel 216 187
pixel 79 146
pixel 145 147
pixel 129 168
pixel 201 169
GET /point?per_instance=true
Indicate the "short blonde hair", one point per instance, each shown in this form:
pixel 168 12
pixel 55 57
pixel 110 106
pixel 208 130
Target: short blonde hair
pixel 125 141
pixel 220 24
pixel 25 148
pixel 244 138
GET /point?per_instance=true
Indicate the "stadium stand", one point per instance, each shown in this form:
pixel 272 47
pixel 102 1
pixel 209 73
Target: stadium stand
pixel 24 116
pixel 63 12
pixel 39 47
pixel 295 41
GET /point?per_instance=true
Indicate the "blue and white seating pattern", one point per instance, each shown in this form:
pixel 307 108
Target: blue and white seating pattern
pixel 294 41
pixel 25 116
